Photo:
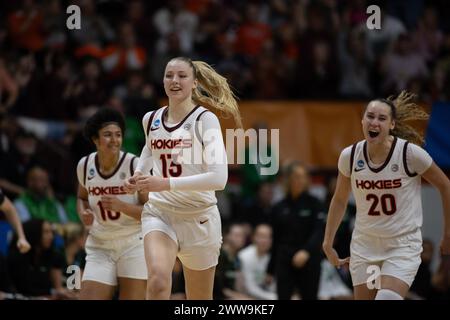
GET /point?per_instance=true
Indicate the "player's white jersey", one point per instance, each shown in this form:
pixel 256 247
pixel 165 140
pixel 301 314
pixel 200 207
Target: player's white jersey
pixel 177 151
pixel 109 224
pixel 388 197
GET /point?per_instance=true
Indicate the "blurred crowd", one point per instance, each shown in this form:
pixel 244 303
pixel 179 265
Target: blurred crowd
pixel 52 79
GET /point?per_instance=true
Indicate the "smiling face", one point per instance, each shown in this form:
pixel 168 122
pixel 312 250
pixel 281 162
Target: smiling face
pixel 109 139
pixel 179 80
pixel 377 122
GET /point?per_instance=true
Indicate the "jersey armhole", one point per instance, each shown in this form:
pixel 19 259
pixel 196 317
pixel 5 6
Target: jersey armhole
pixel 85 170
pixel 197 133
pixel 405 163
pixel 132 166
pixel 352 158
pixel 150 120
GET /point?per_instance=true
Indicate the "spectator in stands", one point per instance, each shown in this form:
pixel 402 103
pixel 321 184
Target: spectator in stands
pixel 427 37
pixel 381 40
pixel 257 158
pixel 38 202
pixel 254 260
pixel 90 89
pixel 401 65
pixel 124 55
pixel 95 31
pixel 331 285
pixel 26 27
pixel 421 287
pixel 15 164
pixel 355 65
pixel 175 19
pixel 5 279
pixel 258 211
pixel 441 280
pixel 228 268
pixel 252 33
pixel 8 86
pixel 38 272
pixel 13 218
pixel 74 235
pixel 298 223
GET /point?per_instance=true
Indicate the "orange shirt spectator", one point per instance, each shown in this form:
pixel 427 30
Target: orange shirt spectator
pixel 124 55
pixel 251 38
pixel 26 29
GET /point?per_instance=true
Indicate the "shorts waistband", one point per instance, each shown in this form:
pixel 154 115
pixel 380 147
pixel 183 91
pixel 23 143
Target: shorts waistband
pixel 186 213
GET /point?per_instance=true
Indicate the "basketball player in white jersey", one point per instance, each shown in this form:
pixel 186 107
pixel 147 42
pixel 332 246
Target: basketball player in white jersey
pixel 384 172
pixel 181 217
pixel 114 247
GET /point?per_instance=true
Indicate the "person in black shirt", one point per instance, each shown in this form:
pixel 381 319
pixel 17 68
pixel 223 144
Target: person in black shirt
pixel 39 271
pixel 298 224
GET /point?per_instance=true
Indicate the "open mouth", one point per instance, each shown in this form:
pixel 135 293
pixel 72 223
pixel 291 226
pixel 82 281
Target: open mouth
pixel 373 134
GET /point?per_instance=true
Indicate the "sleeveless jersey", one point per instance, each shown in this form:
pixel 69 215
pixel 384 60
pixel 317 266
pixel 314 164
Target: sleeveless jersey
pixel 388 198
pixel 177 152
pixel 109 224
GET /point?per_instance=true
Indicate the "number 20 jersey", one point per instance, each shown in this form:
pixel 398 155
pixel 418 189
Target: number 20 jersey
pixel 109 224
pixel 388 197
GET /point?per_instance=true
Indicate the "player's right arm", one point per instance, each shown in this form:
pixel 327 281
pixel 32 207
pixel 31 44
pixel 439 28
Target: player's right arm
pixel 83 209
pixel 337 209
pixel 145 163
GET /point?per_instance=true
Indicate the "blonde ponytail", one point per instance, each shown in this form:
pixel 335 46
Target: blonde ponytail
pixel 213 91
pixel 407 110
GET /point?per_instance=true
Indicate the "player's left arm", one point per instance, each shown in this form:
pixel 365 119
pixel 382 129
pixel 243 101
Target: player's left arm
pixel 439 180
pixel 421 162
pixel 214 158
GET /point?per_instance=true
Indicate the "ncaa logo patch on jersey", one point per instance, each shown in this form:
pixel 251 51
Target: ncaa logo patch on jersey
pixel 91 174
pixel 187 126
pixel 359 165
pixel 122 175
pixel 394 167
pixel 155 125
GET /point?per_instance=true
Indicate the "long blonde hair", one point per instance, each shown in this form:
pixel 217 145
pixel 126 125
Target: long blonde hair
pixel 404 109
pixel 213 90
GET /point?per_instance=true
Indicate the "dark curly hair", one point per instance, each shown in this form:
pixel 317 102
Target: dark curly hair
pixel 100 119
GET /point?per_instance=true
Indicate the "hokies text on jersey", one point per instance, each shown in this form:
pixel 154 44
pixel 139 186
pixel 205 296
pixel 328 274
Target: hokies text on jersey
pixel 170 143
pixel 378 184
pixel 101 191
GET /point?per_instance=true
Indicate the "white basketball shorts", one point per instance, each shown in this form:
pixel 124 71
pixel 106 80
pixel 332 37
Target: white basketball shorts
pixel 108 260
pixel 398 257
pixel 198 236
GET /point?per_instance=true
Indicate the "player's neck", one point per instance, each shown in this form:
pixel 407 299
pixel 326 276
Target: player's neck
pixel 179 110
pixel 107 162
pixel 378 152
